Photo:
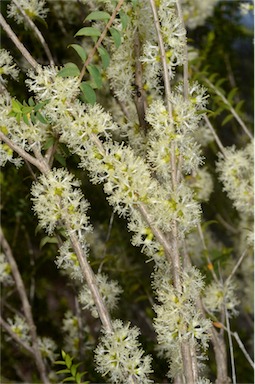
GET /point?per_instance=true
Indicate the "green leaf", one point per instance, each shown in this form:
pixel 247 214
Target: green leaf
pixel 40 105
pixel 73 370
pixel 80 50
pixel 116 36
pixel 59 362
pixel 231 95
pixel 104 56
pixel 68 361
pixel 25 119
pixel 49 143
pixel 68 379
pixel 227 119
pixel 95 74
pixel 124 19
pixel 64 371
pixel 47 239
pixel 88 92
pixel 239 106
pixel 41 118
pixel 31 101
pixel 69 70
pixel 98 15
pixel 88 31
pixel 61 160
pixel 33 118
pixel 16 106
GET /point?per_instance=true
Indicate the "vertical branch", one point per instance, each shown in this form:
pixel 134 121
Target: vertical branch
pixel 231 349
pixel 36 31
pixel 18 44
pixel 26 307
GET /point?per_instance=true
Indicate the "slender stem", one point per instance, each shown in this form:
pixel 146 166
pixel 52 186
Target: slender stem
pixel 18 44
pixel 26 307
pixel 15 337
pixel 186 62
pixel 163 57
pixel 216 137
pixel 230 347
pixel 92 283
pixel 36 31
pixel 206 252
pixel 140 97
pixel 232 110
pixel 236 266
pixel 101 38
pixel 25 155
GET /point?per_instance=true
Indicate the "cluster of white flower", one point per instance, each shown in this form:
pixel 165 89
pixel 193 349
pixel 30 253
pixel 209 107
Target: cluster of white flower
pixel 47 347
pixel 196 12
pixel 67 261
pixel 32 8
pixel 235 170
pixel 177 317
pixel 5 271
pixel 58 91
pixel 7 66
pixel 120 356
pixel 57 199
pixel 109 289
pixel 20 327
pixel 218 295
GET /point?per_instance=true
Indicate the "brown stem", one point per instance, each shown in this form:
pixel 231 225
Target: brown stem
pixel 25 155
pixel 18 44
pixel 36 31
pixel 92 283
pixel 26 307
pixel 101 38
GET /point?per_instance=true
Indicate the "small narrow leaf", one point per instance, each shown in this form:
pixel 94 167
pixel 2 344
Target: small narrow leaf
pixel 25 119
pixel 98 15
pixel 88 93
pixel 50 240
pixel 124 19
pixel 80 50
pixel 227 119
pixel 31 101
pixel 16 106
pixel 239 106
pixel 68 379
pixel 88 31
pixel 49 143
pixel 95 74
pixel 64 371
pixel 69 70
pixel 104 56
pixel 62 161
pixel 116 36
pixel 68 361
pixel 231 95
pixel 41 118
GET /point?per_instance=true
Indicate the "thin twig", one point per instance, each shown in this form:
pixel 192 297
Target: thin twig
pixel 163 58
pixel 186 61
pixel 26 307
pixel 101 38
pixel 216 137
pixel 231 350
pixel 25 155
pixel 18 44
pixel 92 283
pixel 231 109
pixel 36 31
pixel 206 252
pixel 236 266
pixel 15 337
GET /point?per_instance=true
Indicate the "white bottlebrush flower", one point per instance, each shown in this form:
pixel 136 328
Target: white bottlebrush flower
pixel 109 289
pixel 20 327
pixel 196 12
pixel 57 199
pixel 201 183
pixel 68 262
pixel 47 347
pixel 236 173
pixel 5 271
pixel 58 91
pixel 7 66
pixel 119 355
pixel 32 8
pixel 220 294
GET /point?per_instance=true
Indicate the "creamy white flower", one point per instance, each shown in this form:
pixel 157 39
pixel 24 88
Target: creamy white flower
pixel 32 8
pixel 7 66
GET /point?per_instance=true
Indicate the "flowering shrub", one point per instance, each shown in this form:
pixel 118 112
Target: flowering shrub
pixel 131 115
